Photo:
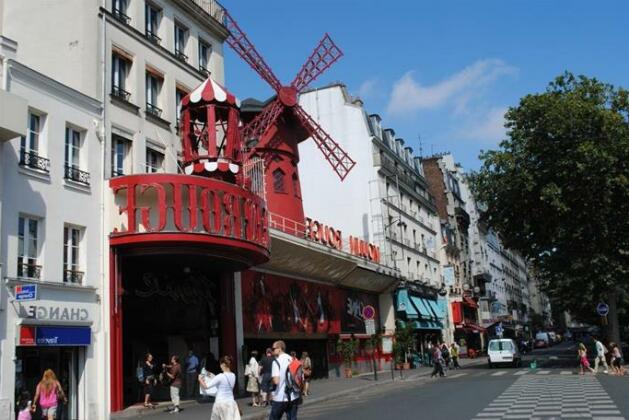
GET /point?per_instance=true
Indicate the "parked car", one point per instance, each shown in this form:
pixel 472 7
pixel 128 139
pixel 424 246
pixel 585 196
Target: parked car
pixel 503 351
pixel 543 336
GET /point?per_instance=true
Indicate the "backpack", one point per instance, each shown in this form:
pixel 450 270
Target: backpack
pixel 139 373
pixel 294 381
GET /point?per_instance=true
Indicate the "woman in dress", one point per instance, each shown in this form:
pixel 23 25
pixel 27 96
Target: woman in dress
pixel 225 406
pixel 616 360
pixel 306 365
pixel 265 383
pixel 47 395
pixel 583 359
pixel 253 379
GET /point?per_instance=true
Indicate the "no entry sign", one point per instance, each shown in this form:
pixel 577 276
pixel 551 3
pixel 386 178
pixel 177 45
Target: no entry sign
pixel 602 309
pixel 369 312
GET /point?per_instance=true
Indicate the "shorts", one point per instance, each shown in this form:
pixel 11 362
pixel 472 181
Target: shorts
pixel 617 362
pixel 49 411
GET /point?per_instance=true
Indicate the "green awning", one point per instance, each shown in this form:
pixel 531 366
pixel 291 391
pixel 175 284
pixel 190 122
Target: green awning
pixel 404 304
pixel 422 307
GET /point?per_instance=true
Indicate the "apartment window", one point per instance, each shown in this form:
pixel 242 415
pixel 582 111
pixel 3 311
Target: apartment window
pixel 28 248
pixel 154 160
pixel 153 88
pixel 119 151
pixel 31 145
pixel 204 55
pixel 152 17
pixel 119 71
pixel 119 10
pixel 278 181
pixel 71 248
pixel 73 157
pixel 296 186
pixel 181 39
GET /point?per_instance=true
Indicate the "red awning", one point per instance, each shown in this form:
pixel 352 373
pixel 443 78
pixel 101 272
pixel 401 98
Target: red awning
pixel 470 302
pixel 209 91
pixel 470 327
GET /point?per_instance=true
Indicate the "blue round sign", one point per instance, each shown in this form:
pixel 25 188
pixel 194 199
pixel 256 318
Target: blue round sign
pixel 602 309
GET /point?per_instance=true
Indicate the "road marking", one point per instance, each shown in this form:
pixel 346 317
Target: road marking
pixel 521 372
pixel 543 372
pixel 458 375
pixel 504 372
pixel 566 372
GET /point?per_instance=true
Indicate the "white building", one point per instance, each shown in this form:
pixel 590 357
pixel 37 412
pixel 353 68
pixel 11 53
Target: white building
pixel 102 80
pixel 384 199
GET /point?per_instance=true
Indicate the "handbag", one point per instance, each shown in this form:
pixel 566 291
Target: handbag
pixel 206 390
pixel 248 370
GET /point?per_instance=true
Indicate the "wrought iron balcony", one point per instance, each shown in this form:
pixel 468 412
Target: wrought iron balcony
pixel 73 276
pixel 115 173
pixel 121 16
pixel 153 110
pixel 120 93
pixel 29 270
pixel 33 160
pixel 151 36
pixel 77 175
pixel 181 56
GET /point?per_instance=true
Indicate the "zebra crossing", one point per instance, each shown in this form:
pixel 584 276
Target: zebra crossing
pixel 545 397
pixel 453 374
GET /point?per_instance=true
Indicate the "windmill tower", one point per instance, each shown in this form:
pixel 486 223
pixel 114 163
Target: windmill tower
pixel 276 131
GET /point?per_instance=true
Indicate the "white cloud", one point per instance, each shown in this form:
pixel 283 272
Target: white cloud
pixel 408 95
pixel 487 128
pixel 367 88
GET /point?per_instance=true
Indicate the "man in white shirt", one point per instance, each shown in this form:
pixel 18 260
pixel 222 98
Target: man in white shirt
pixel 282 402
pixel 600 355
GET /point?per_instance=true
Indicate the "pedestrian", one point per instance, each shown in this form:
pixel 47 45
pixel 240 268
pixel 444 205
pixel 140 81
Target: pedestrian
pixel 252 371
pixel 283 400
pixel 437 362
pixel 583 360
pixel 25 406
pixel 601 351
pixel 454 353
pixel 265 373
pixel 445 353
pixel 225 406
pixel 47 394
pixel 173 372
pixel 306 365
pixel 616 360
pixel 293 355
pixel 429 351
pixel 148 380
pixel 211 364
pixel 192 373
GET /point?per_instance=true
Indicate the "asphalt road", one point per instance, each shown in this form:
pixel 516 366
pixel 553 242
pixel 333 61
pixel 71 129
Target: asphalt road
pixel 554 390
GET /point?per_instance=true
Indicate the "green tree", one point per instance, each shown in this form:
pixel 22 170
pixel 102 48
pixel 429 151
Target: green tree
pixel 557 190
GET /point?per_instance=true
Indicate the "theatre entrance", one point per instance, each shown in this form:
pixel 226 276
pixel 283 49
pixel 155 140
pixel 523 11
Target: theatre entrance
pixel 171 303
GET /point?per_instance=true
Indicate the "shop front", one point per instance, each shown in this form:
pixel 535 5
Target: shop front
pixel 54 330
pixel 468 334
pixel 309 316
pixel 425 310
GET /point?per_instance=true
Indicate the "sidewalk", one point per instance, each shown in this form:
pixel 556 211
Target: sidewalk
pixel 322 390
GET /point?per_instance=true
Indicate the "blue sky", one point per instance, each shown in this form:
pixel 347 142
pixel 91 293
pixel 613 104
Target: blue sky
pixel 442 70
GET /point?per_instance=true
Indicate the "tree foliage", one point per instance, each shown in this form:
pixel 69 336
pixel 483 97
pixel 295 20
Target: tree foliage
pixel 557 190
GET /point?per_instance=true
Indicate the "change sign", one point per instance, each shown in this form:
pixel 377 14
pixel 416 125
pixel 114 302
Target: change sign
pixel 25 292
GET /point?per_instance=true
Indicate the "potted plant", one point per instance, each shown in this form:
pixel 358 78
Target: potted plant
pixel 347 349
pixel 405 341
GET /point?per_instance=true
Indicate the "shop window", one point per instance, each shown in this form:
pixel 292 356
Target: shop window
pixel 28 248
pixel 278 181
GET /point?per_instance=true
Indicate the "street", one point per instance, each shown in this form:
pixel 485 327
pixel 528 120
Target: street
pixel 554 390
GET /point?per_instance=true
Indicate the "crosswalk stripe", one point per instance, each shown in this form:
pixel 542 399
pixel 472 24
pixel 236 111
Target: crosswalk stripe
pixel 458 375
pixel 521 372
pixel 543 372
pixel 566 372
pixel 504 372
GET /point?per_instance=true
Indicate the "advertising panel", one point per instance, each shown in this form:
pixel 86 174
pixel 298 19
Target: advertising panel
pixel 275 304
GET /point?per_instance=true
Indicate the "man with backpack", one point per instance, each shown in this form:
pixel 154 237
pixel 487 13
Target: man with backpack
pixel 288 378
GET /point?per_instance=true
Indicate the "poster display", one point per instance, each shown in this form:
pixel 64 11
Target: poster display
pixel 275 304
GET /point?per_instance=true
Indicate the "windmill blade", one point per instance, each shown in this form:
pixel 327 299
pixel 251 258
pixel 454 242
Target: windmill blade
pixel 338 158
pixel 238 40
pixel 323 56
pixel 261 123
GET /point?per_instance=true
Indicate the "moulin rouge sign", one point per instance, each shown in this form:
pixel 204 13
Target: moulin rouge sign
pixel 179 204
pixel 327 235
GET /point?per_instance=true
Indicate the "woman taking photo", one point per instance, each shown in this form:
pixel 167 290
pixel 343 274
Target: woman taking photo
pixel 225 407
pixel 47 394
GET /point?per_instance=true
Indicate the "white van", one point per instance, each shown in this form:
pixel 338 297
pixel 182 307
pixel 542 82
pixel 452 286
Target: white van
pixel 503 350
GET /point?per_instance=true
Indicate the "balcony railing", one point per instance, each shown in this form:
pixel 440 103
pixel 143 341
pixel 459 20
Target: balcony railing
pixel 151 36
pixel 29 270
pixel 181 56
pixel 212 8
pixel 120 93
pixel 77 175
pixel 153 110
pixel 33 160
pixel 73 276
pixel 115 173
pixel 121 16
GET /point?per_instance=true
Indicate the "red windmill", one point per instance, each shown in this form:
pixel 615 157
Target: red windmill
pixel 261 127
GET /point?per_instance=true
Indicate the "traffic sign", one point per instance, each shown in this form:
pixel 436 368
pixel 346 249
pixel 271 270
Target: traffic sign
pixel 369 312
pixel 370 327
pixel 602 309
pixel 25 292
pixel 499 330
